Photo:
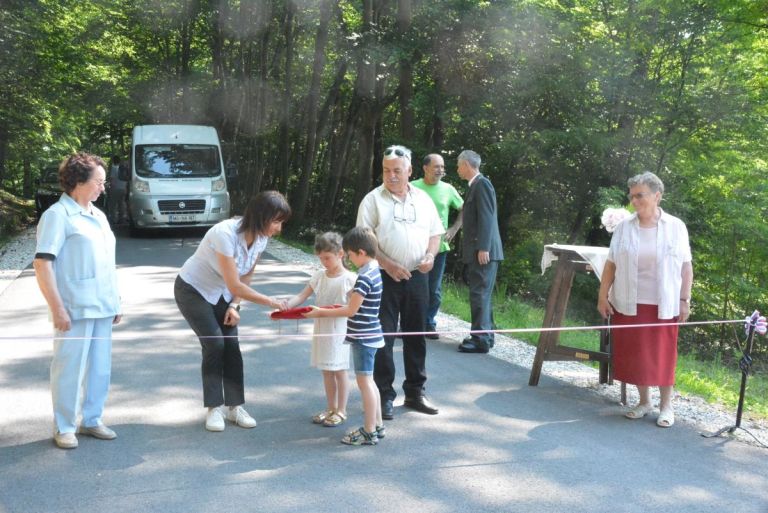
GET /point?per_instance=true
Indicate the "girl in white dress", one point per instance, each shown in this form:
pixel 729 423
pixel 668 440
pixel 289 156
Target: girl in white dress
pixel 330 354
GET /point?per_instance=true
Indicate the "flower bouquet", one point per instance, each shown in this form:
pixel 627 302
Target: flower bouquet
pixel 612 217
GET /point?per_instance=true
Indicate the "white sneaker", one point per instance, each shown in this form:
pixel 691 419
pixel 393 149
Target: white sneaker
pixel 214 420
pixel 65 440
pixel 239 416
pixel 100 431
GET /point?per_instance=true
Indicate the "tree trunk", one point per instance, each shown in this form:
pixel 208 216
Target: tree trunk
pixel 311 125
pixel 435 136
pixel 27 190
pixel 404 16
pixel 282 168
pixel 338 164
pixel 365 90
pixel 3 150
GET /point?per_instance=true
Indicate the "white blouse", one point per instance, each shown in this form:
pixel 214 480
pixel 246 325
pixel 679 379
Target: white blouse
pixel 672 250
pixel 201 270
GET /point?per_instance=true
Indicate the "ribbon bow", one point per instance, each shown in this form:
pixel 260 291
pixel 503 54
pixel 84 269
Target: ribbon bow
pixel 758 321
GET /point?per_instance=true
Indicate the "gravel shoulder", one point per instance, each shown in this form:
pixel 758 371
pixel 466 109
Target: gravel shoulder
pixel 17 256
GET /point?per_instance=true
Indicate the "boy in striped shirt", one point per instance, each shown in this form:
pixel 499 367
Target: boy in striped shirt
pixel 363 329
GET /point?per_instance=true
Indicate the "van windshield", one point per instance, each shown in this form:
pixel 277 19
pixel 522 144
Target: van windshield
pixel 177 160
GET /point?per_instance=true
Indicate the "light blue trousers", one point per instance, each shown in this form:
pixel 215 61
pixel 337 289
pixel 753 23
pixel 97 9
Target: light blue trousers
pixel 80 373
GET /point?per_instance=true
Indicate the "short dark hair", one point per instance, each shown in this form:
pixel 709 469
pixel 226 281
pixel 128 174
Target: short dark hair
pixel 361 238
pixel 328 242
pixel 78 168
pixel 264 208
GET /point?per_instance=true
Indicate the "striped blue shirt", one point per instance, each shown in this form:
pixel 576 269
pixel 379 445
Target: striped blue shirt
pixel 364 327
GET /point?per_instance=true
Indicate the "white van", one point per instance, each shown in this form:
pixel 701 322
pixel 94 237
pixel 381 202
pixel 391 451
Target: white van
pixel 176 177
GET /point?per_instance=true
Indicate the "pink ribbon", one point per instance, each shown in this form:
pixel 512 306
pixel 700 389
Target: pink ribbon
pixel 758 321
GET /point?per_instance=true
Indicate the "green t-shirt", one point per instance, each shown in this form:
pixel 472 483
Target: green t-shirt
pixel 445 197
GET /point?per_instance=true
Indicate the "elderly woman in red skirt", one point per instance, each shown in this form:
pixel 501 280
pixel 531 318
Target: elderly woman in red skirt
pixel 647 280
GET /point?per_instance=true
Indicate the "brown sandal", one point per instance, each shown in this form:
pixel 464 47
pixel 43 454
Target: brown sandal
pixel 335 419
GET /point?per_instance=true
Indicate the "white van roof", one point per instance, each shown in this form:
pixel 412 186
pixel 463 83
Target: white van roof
pixel 175 134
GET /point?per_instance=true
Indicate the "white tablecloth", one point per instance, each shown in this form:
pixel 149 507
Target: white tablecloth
pixel 594 255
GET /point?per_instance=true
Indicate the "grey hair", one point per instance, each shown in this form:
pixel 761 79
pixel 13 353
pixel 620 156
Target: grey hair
pixel 648 179
pixel 471 158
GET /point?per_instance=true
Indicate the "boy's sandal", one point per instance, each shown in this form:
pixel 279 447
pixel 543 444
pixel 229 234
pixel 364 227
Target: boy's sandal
pixel 319 418
pixel 638 412
pixel 335 419
pixel 666 418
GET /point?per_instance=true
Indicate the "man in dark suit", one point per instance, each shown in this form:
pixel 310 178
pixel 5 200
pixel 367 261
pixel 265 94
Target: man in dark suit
pixel 481 250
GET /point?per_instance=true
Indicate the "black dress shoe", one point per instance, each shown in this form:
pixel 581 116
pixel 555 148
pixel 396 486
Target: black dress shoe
pixel 421 404
pixel 473 346
pixel 491 341
pixel 387 409
pixel 432 336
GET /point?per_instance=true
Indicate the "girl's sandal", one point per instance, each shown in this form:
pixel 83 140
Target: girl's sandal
pixel 335 419
pixel 319 418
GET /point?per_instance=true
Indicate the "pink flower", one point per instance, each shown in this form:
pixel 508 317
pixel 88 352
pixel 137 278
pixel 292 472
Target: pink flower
pixel 612 217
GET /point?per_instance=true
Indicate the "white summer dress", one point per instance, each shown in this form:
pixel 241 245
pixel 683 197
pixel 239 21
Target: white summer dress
pixel 330 352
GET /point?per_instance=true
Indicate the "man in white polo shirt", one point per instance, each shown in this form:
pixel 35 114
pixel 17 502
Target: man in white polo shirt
pixel 408 229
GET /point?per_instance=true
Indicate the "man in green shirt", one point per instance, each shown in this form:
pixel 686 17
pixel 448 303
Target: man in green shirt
pixel 445 198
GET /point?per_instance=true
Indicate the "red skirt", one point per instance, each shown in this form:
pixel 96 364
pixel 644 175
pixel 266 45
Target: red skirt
pixel 644 356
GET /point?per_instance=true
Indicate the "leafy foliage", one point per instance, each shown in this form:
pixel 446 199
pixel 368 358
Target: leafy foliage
pixel 564 99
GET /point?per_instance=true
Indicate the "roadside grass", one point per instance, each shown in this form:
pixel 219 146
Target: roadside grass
pixel 712 380
pixel 306 248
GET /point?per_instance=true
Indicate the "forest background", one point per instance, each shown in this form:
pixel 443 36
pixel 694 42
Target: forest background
pixel 564 100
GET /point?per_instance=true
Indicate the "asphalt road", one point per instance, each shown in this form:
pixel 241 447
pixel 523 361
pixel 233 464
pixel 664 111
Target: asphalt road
pixel 497 445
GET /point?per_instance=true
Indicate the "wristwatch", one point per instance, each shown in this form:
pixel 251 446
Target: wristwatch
pixel 235 306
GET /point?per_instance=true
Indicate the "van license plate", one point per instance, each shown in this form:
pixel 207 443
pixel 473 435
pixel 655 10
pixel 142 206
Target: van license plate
pixel 182 218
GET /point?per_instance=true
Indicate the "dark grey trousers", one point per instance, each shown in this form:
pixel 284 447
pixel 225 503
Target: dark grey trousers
pixel 481 280
pixel 222 366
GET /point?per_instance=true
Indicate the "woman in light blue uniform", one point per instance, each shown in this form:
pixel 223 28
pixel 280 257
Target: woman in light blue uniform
pixel 75 268
pixel 208 291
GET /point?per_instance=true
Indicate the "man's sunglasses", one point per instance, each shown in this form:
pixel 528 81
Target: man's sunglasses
pixel 396 151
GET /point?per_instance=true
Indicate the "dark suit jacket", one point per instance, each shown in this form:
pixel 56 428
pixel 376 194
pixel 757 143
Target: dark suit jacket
pixel 480 228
